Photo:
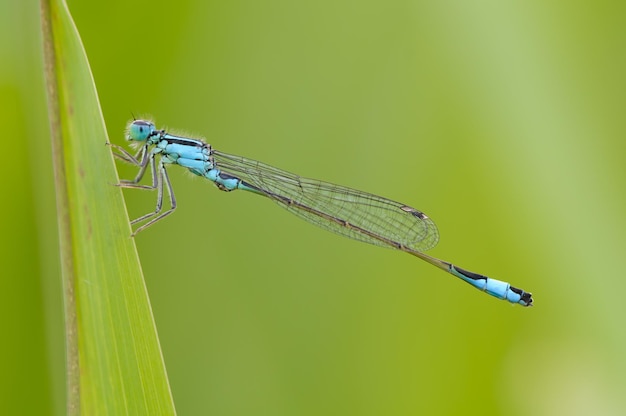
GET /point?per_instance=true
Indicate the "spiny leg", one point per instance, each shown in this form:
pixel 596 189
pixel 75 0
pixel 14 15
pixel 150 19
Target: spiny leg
pixel 134 183
pixel 127 157
pixel 143 165
pixel 146 156
pixel 157 183
pixel 163 179
pixel 158 180
pixel 135 160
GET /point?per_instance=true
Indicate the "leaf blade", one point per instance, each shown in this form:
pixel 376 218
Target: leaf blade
pixel 115 365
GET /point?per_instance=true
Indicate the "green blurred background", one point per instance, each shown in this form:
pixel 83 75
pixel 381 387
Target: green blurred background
pixel 503 122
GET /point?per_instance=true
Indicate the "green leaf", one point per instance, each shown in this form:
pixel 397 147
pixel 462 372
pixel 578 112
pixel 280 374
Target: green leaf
pixel 114 361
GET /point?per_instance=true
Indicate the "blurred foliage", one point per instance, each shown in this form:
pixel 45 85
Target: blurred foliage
pixel 502 121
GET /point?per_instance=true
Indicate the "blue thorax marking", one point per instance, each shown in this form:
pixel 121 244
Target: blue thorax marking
pixel 192 154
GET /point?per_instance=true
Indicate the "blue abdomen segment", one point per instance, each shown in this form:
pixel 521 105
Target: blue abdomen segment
pixel 227 182
pixel 223 180
pixel 496 288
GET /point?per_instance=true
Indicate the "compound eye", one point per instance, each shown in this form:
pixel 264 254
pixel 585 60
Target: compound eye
pixel 140 130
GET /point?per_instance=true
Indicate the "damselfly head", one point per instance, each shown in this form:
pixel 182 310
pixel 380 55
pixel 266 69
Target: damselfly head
pixel 139 130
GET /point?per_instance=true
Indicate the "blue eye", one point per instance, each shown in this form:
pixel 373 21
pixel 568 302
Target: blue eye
pixel 140 130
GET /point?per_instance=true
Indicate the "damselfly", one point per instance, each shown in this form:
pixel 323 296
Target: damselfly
pixel 351 213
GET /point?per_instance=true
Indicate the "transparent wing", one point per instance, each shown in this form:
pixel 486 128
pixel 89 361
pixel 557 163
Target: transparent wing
pixel 345 211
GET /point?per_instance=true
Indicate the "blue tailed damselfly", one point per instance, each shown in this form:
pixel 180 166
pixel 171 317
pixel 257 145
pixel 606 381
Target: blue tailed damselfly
pixel 345 211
